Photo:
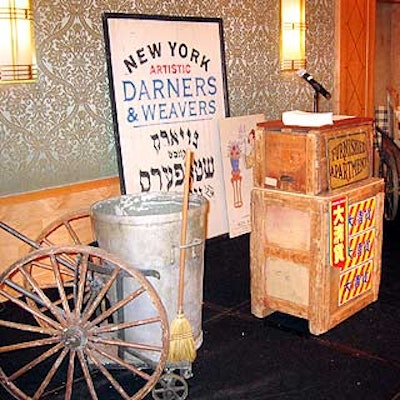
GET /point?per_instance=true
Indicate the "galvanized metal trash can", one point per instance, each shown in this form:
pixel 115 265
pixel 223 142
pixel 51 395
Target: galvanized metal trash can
pixel 144 230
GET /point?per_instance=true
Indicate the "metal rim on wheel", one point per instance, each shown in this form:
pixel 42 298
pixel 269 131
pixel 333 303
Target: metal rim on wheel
pixel 388 171
pixel 85 341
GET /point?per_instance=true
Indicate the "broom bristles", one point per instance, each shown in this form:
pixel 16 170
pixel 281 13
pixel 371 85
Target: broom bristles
pixel 182 346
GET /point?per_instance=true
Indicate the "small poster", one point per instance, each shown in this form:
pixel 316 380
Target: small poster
pixel 237 135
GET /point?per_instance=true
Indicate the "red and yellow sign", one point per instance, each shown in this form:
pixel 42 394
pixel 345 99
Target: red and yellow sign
pixel 338 232
pixel 352 245
pixel 355 282
pixel 362 216
pixel 361 248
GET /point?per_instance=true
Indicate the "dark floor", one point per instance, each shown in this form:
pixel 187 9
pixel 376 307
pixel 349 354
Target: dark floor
pixel 243 357
pixel 276 358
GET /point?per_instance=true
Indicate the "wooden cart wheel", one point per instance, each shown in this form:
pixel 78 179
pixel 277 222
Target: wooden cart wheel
pixel 388 171
pixel 72 228
pixel 99 338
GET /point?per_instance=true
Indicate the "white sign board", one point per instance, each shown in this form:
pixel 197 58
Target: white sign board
pixel 168 91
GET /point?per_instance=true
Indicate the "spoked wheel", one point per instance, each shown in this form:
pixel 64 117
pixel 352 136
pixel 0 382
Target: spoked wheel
pixel 388 171
pixel 170 387
pixel 72 228
pixel 109 340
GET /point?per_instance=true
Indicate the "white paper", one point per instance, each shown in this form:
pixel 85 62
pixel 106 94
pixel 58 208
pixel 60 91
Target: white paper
pixel 237 149
pixel 305 118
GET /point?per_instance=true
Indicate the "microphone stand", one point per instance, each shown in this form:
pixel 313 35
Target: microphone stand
pixel 316 101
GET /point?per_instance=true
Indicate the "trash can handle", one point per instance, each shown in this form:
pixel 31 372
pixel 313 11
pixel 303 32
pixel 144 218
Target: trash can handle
pixel 196 242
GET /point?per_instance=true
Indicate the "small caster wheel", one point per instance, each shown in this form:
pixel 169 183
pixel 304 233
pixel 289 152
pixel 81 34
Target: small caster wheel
pixel 187 373
pixel 170 387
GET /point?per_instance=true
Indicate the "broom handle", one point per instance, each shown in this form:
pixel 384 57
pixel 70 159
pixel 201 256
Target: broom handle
pixel 185 207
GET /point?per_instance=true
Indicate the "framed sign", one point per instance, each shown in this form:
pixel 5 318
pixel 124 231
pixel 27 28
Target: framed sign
pixel 349 159
pixel 168 90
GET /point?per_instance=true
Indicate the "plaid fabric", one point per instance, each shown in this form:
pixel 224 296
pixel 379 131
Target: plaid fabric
pixel 382 118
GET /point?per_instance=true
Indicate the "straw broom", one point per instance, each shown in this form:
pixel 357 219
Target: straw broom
pixel 182 345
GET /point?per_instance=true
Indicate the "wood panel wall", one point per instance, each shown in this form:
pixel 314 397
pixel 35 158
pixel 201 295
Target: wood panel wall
pixel 355 54
pixel 30 213
pixel 387 60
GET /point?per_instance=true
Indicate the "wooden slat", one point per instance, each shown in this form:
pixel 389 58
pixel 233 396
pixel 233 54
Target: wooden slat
pixel 29 213
pixel 289 254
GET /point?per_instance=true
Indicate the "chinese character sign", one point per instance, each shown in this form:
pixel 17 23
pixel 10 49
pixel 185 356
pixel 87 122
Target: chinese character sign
pixel 168 91
pixel 338 232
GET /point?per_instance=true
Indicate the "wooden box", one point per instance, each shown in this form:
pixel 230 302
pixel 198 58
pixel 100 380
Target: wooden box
pixel 306 261
pixel 313 160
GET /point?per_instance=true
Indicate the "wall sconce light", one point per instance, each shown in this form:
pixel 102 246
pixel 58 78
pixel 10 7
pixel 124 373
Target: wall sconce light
pixel 293 32
pixel 17 46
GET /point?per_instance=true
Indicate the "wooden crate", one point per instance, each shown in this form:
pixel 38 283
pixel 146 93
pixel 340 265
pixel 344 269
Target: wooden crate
pixel 313 160
pixel 292 241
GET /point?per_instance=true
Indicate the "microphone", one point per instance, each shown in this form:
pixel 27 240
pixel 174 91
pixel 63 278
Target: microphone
pixel 317 86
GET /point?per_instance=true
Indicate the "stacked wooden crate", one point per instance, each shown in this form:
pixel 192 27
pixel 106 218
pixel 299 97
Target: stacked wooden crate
pixel 317 215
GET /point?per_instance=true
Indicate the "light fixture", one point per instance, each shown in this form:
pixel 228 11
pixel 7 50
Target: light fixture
pixel 293 28
pixel 17 46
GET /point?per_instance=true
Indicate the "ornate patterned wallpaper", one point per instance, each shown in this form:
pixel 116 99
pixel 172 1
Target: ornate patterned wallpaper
pixel 59 130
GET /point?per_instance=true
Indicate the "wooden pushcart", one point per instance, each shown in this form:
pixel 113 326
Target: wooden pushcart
pixel 66 334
